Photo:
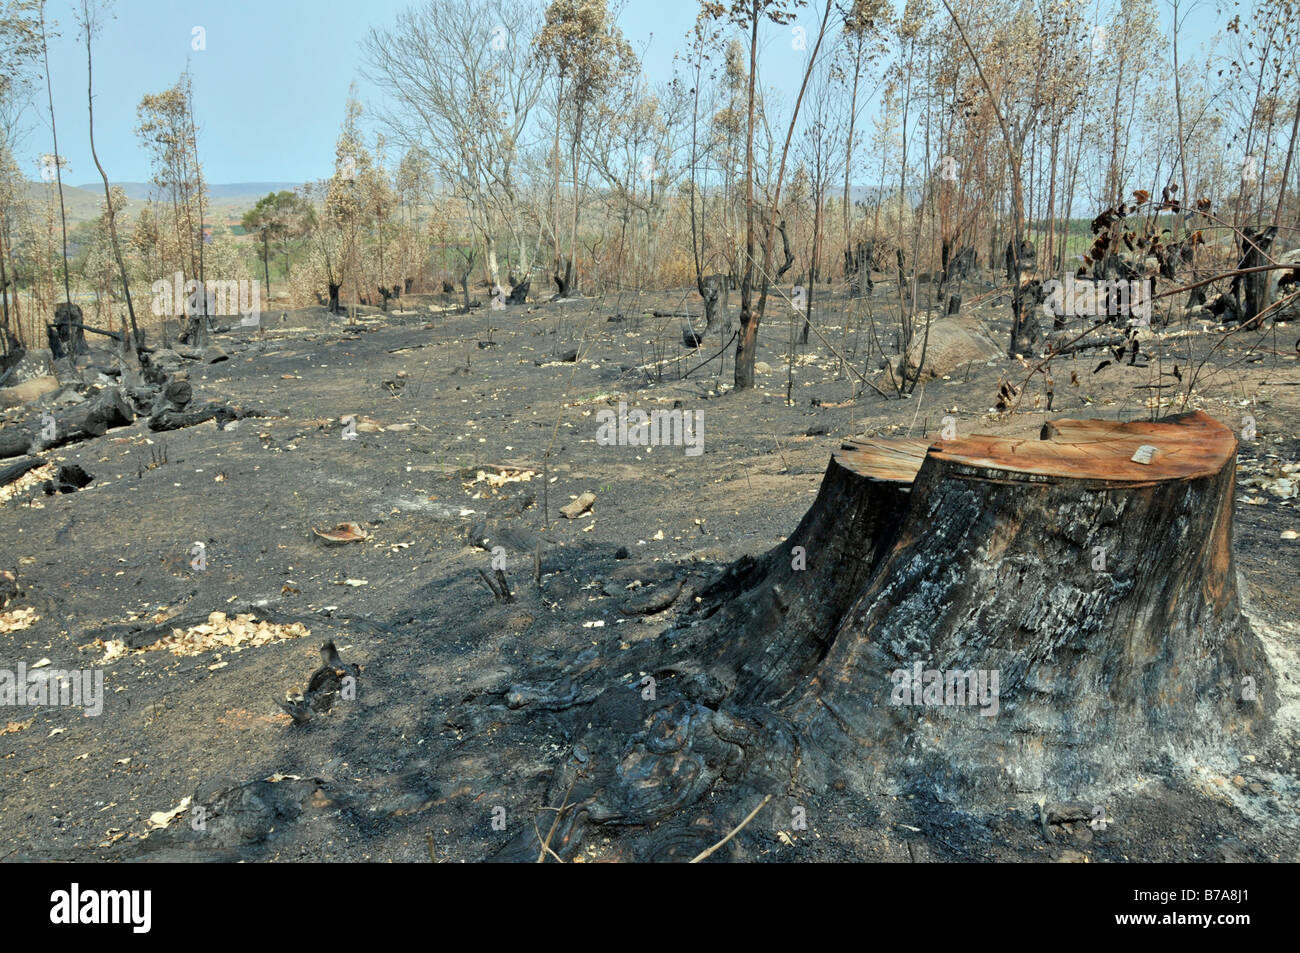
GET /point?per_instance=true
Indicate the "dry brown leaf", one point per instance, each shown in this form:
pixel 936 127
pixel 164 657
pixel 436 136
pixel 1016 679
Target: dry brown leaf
pixel 342 533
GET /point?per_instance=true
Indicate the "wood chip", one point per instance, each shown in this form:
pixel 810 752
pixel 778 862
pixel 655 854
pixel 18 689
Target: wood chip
pixel 578 506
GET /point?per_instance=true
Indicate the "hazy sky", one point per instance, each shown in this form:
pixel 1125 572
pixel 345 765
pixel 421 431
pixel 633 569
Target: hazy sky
pixel 271 82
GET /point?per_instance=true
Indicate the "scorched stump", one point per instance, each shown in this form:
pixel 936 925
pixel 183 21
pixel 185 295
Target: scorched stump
pixel 1087 599
pixel 985 621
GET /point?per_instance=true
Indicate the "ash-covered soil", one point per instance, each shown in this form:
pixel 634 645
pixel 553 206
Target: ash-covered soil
pixel 449 461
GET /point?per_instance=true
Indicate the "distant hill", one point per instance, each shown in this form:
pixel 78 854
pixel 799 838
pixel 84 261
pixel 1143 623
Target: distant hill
pixel 81 204
pixel 231 191
pixel 227 200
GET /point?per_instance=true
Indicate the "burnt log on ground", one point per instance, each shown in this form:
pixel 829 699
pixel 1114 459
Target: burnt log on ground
pixel 980 621
pixel 105 411
pixel 1064 342
pixel 13 471
pixel 15 441
pixel 165 399
pixel 172 418
pixel 168 407
pixel 170 393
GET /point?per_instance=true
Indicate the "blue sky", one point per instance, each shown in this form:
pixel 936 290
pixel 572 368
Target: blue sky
pixel 269 87
pixel 270 83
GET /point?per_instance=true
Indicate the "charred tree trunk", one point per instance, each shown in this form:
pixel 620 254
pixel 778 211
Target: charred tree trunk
pixel 858 262
pixel 563 279
pixel 519 292
pixel 68 327
pixel 1026 332
pixel 1251 291
pixel 715 295
pixel 982 620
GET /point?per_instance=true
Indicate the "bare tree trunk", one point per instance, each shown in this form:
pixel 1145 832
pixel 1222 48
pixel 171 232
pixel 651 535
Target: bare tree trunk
pixel 202 335
pixel 58 166
pixel 266 263
pixel 1286 168
pixel 747 345
pixel 108 198
pixel 748 341
pixel 573 229
pixel 6 336
pixel 846 211
pixel 814 272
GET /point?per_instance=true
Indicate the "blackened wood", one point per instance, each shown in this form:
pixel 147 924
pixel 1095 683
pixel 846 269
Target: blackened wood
pixel 1101 590
pixel 15 441
pixel 14 470
pixel 105 411
pixel 173 419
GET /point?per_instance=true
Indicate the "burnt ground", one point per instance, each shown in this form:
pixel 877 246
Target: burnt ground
pixel 434 740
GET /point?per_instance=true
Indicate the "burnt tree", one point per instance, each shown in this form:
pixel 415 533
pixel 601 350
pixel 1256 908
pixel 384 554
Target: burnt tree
pixel 1251 291
pixel 1026 296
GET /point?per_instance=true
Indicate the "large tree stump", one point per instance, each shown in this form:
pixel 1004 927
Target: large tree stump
pixel 978 620
pixel 1101 590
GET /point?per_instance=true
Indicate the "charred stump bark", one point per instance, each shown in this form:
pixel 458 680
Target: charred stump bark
pixel 563 279
pixel 1026 296
pixel 714 290
pixel 979 620
pixel 68 329
pixel 857 268
pixel 519 292
pixel 1100 589
pixel 1251 291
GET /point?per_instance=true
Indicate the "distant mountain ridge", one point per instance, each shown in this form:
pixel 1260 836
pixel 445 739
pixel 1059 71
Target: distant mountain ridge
pixel 225 201
pixel 229 190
